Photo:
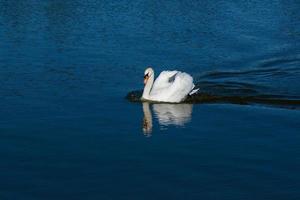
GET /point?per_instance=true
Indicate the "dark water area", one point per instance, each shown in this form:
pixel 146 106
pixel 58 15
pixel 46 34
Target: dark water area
pixel 68 132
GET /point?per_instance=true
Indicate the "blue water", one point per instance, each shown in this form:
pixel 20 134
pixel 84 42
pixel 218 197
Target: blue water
pixel 68 132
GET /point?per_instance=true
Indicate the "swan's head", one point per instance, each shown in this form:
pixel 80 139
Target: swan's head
pixel 147 74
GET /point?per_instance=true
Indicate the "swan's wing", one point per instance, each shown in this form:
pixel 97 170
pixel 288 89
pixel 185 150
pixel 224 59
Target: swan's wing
pixel 181 87
pixel 173 88
pixel 164 80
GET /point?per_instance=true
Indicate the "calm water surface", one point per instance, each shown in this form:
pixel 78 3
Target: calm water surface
pixel 67 131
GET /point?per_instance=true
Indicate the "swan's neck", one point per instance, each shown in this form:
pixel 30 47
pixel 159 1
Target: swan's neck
pixel 148 87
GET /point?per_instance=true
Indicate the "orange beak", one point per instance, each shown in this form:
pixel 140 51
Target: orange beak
pixel 146 77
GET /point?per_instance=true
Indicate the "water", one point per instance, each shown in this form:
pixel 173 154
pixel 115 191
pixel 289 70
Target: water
pixel 68 132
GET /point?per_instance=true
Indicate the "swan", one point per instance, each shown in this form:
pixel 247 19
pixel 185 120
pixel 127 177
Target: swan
pixel 169 86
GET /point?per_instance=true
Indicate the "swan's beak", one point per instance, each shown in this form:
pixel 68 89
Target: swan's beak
pixel 146 77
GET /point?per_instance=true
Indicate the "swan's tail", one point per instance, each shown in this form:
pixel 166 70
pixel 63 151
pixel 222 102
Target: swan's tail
pixel 194 91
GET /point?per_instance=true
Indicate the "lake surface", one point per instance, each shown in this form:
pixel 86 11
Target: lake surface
pixel 68 132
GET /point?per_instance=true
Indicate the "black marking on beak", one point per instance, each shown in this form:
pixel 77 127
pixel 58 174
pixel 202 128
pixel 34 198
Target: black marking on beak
pixel 146 76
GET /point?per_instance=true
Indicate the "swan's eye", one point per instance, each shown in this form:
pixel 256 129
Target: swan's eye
pixel 146 76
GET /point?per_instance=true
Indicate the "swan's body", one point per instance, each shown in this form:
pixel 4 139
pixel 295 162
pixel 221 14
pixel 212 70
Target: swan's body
pixel 170 86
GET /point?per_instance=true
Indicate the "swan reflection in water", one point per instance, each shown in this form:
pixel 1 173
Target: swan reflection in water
pixel 167 114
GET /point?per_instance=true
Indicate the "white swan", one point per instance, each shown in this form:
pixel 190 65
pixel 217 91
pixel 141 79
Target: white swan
pixel 170 86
